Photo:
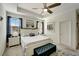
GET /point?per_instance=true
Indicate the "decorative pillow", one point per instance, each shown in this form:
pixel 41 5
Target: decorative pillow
pixel 32 34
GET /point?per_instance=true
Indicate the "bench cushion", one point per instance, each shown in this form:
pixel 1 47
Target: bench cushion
pixel 45 49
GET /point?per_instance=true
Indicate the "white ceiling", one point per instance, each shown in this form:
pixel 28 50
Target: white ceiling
pixel 29 6
pixel 28 11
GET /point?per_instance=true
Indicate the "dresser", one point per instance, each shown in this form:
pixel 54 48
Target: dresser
pixel 14 41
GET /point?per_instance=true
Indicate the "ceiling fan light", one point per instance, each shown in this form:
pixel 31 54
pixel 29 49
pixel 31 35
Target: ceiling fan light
pixel 45 9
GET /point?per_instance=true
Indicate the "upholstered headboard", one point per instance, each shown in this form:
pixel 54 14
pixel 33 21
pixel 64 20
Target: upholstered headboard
pixel 26 32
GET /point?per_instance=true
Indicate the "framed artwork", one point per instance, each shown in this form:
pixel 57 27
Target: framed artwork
pixel 51 26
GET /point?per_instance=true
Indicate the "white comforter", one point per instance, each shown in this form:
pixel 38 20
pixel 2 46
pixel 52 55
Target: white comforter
pixel 26 41
pixel 32 39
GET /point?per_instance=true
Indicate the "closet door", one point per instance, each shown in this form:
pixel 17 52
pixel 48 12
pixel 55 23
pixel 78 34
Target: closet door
pixel 65 33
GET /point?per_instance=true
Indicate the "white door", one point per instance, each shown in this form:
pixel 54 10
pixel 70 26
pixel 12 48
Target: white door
pixel 65 33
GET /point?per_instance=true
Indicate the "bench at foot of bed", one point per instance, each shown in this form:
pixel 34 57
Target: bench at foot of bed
pixel 45 50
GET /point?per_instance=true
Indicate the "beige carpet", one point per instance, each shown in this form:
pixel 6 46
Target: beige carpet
pixel 17 51
pixel 13 51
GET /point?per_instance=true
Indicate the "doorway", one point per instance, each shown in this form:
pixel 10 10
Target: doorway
pixel 13 28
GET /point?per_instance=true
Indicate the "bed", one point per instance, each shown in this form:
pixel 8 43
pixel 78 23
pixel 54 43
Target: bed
pixel 28 43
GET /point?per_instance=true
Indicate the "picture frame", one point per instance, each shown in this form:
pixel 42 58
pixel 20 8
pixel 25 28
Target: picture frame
pixel 51 26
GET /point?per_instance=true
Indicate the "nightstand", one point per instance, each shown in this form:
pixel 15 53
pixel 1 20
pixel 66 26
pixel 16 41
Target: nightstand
pixel 13 41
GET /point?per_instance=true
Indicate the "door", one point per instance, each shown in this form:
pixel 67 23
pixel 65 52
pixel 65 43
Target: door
pixel 65 33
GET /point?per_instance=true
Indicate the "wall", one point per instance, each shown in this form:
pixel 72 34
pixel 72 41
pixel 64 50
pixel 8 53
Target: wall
pixel 64 14
pixel 2 30
pixel 11 7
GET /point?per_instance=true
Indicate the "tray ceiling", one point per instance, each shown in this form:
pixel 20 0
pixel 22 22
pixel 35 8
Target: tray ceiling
pixel 30 6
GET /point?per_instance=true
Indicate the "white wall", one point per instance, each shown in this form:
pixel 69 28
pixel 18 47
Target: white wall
pixel 63 13
pixel 2 30
pixel 11 7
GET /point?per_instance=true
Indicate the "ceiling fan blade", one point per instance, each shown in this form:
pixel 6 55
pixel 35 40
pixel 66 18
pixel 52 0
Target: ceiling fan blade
pixel 45 5
pixel 54 5
pixel 49 11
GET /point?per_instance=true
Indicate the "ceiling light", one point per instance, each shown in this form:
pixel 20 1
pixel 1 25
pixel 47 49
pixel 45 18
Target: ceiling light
pixel 45 9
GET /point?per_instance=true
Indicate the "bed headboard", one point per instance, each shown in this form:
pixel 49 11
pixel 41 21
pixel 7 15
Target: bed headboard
pixel 26 32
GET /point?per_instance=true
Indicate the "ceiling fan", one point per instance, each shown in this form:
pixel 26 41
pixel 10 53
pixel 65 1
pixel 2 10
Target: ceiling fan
pixel 47 8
